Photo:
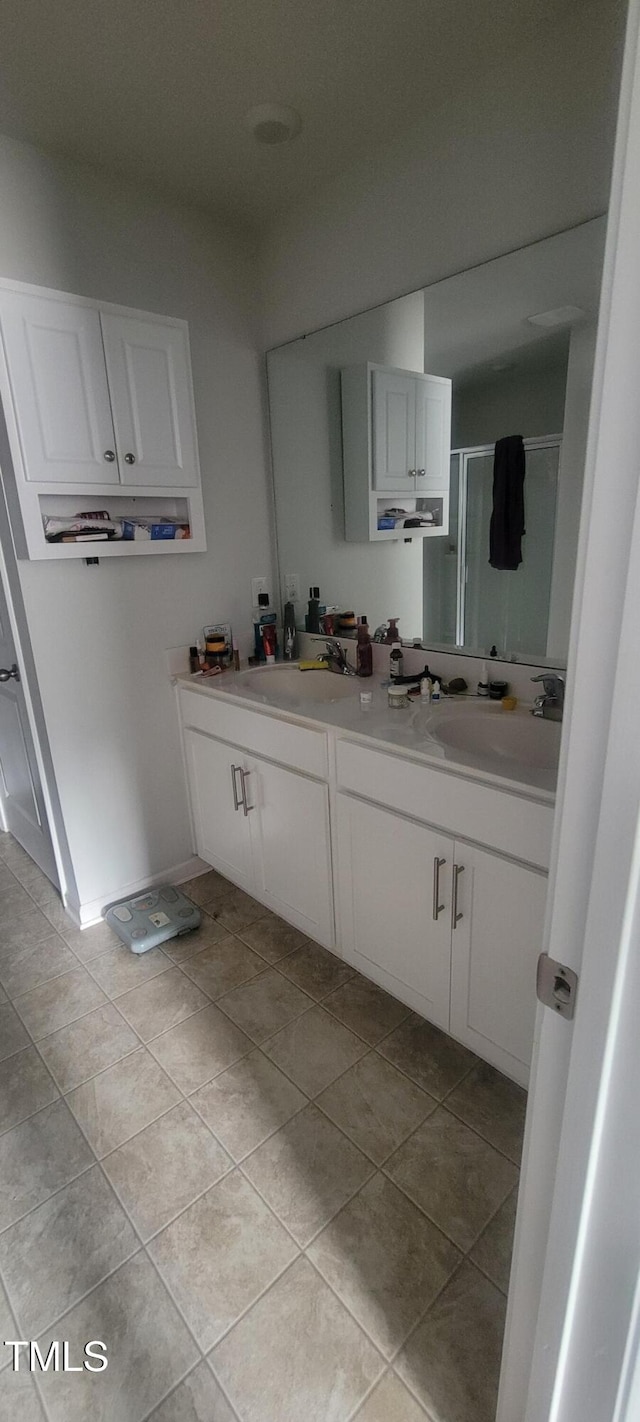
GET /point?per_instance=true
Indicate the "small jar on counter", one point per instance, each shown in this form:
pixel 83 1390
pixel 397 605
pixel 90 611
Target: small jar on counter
pixel 397 696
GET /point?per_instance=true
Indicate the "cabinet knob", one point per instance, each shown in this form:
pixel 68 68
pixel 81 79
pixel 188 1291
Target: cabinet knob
pixel 421 473
pixel 412 473
pixel 109 456
pixel 129 458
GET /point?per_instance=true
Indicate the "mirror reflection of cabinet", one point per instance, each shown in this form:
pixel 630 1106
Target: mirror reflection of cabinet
pixel 396 432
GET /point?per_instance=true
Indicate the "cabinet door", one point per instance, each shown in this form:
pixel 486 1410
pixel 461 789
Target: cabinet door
pixel 394 431
pixel 223 837
pixel 386 893
pixel 150 385
pixel 290 828
pixel 496 944
pixel 433 432
pixel 59 384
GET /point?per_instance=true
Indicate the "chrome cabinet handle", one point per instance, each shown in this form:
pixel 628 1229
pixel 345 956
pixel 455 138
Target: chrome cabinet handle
pixel 236 801
pixel 109 456
pixel 10 673
pixel 129 458
pixel 243 781
pixel 458 869
pixel 437 907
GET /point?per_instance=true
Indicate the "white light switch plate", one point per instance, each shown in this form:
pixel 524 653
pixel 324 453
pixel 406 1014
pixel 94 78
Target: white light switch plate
pixel 292 587
pixel 258 585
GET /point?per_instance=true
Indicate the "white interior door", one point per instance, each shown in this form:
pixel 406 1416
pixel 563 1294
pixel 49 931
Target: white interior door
pixel 394 430
pixel 20 789
pixel 222 828
pixel 433 432
pixel 290 824
pixel 59 384
pixel 150 385
pixel 386 879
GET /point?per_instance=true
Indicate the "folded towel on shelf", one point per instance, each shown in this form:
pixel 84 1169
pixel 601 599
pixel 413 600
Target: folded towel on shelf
pixel 507 519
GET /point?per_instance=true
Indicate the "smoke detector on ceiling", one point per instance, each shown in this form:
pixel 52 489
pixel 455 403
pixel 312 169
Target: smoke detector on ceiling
pixel 273 123
pixel 559 316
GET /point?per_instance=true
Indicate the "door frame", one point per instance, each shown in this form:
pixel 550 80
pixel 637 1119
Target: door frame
pixel 571 1347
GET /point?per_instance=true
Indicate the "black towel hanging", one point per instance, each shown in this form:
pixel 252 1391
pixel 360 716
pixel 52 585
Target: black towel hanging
pixel 507 519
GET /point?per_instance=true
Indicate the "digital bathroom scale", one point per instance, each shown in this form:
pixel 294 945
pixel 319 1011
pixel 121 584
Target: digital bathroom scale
pixel 151 918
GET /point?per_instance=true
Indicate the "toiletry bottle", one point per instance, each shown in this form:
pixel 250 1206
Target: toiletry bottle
pixel 483 684
pixel 262 617
pixel 395 661
pixel 269 641
pixel 392 634
pixel 194 660
pixel 364 652
pixel 435 693
pixel 312 619
pixel 425 690
pixel 289 633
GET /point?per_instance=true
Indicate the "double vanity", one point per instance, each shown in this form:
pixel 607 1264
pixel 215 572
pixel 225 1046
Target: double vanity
pixel 414 842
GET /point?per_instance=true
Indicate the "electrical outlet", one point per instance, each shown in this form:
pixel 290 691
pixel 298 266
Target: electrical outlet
pixel 258 585
pixel 292 587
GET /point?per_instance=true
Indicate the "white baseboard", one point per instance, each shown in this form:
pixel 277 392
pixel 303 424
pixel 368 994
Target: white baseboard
pixel 91 913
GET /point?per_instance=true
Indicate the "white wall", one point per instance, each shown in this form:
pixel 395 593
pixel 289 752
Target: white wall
pixel 99 633
pixel 379 580
pixel 570 485
pixel 522 401
pixel 519 151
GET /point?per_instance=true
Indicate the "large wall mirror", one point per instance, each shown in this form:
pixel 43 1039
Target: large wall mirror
pixel 516 339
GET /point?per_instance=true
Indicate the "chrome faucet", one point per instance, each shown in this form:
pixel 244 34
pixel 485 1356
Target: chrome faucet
pixel 551 703
pixel 336 659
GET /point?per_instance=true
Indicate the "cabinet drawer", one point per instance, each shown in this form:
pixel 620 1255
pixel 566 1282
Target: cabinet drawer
pixel 508 823
pixel 271 736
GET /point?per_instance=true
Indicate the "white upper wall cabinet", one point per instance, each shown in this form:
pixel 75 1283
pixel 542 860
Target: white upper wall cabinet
pixel 58 381
pixel 150 385
pixel 394 430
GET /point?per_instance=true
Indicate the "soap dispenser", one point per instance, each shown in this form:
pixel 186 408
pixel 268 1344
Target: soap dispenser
pixel 312 619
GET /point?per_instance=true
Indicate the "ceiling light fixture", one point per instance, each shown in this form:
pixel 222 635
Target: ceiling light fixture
pixel 273 123
pixel 559 316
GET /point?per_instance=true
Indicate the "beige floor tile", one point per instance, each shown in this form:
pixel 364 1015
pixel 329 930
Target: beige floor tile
pixel 7 1327
pixel 122 1100
pixel 390 1402
pixel 165 1167
pixel 14 899
pixel 19 1400
pixel 223 965
pixel 197 1399
pixel 55 1004
pixel 297 1355
pixel 247 1103
pixel 452 1361
pixel 200 1048
pixel 264 1005
pixel 201 889
pixel 315 970
pixel 64 1248
pixel 161 1003
pixel 24 966
pixel 25 1087
pixel 119 970
pixel 306 1172
pixel 220 1255
pixel 314 1050
pixel 366 1009
pixel 272 938
pixel 90 943
pixel 493 1106
pixel 376 1106
pixel 454 1176
pixel 37 1157
pixel 3 995
pixel 493 1251
pixel 25 928
pixel 87 1046
pixel 233 908
pixel 186 945
pixel 148 1346
pixel 41 890
pixel 385 1261
pixel 427 1055
pixel 13 1034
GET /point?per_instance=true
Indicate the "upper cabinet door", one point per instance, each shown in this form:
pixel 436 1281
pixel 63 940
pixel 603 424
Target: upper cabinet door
pixel 433 432
pixel 394 431
pixel 58 378
pixel 150 385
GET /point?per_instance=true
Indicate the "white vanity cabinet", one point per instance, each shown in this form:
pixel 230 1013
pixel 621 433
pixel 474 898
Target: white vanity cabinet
pixel 263 825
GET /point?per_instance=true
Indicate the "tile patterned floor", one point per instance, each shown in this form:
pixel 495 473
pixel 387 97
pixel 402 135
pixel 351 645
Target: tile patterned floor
pixel 274 1191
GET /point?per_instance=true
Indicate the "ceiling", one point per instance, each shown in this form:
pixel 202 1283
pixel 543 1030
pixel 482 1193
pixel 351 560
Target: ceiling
pixel 157 89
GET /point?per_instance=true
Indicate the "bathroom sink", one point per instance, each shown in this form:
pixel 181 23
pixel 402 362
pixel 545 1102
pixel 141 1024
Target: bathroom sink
pixel 505 736
pixel 287 686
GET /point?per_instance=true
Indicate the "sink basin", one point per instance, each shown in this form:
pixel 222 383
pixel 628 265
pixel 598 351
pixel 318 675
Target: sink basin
pixel 519 739
pixel 288 686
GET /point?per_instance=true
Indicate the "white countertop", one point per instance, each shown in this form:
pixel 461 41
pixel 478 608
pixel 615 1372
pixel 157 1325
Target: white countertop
pixel 510 750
